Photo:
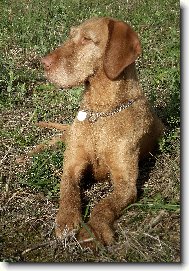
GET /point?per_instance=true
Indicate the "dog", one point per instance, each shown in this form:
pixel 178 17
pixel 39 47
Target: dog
pixel 115 126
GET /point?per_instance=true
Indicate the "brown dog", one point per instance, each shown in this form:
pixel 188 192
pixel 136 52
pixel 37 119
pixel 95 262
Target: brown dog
pixel 114 127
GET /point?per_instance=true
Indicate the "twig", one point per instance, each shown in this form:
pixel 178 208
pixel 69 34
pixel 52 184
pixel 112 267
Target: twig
pixel 5 156
pixel 157 219
pixel 50 243
pixel 44 244
pixel 13 196
pixel 86 240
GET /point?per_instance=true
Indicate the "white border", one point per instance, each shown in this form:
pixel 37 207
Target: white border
pixel 184 266
pixel 184 3
pixel 94 266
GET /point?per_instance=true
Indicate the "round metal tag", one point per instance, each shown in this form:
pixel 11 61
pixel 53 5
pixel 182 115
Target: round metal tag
pixel 81 116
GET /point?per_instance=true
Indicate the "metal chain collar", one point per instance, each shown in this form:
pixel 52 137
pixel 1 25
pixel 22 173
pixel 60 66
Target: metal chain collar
pixel 92 116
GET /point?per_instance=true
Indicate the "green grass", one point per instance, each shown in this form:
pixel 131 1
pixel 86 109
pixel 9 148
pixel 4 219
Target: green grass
pixel 43 175
pixel 29 30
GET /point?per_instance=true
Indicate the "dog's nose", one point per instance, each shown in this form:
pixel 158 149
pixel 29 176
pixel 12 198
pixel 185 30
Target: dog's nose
pixel 47 62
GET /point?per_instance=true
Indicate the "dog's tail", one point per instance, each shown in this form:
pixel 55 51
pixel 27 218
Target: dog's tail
pixel 58 126
pixel 51 143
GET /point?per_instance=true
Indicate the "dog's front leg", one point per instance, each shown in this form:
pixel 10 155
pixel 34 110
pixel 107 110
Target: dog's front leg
pixel 69 213
pixel 124 172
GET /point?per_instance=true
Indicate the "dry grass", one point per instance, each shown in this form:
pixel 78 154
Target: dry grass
pixel 149 230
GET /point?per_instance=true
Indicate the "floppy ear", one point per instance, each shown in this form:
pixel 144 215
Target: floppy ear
pixel 123 47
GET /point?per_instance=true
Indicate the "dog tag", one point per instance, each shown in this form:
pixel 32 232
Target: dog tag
pixel 81 116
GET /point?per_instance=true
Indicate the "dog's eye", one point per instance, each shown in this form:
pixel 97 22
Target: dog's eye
pixel 86 40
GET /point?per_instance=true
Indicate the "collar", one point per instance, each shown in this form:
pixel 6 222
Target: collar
pixel 93 116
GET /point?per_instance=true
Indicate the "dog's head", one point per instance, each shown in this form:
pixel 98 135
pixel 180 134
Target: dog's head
pixel 103 44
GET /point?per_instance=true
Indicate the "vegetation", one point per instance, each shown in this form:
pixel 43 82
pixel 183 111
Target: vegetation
pixel 149 230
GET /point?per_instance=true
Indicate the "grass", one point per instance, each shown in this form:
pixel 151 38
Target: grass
pixel 149 230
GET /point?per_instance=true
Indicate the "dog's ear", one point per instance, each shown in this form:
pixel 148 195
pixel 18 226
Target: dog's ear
pixel 122 49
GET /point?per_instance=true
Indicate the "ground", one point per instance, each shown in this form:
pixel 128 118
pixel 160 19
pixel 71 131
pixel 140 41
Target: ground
pixel 148 230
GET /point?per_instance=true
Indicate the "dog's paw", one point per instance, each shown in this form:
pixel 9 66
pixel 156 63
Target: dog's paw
pixel 66 224
pixel 95 237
